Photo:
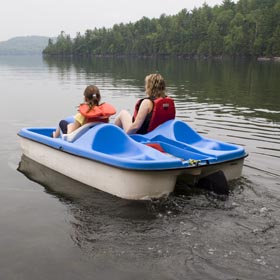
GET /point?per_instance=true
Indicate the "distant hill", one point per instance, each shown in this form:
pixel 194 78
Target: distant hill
pixel 24 45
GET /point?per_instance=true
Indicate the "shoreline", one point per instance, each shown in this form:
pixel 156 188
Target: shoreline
pixel 186 57
pixel 264 58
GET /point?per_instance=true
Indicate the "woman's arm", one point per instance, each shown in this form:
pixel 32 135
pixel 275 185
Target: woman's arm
pixel 145 108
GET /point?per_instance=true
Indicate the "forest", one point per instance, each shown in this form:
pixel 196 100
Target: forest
pixel 247 28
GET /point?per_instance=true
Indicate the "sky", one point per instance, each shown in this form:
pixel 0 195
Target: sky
pixel 50 17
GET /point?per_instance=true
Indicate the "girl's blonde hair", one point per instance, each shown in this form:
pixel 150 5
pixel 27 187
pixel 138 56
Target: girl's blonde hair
pixel 155 85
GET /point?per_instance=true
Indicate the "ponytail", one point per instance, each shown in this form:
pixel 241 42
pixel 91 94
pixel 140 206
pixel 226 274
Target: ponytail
pixel 92 96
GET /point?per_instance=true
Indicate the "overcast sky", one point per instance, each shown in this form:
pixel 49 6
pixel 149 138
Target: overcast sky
pixel 49 17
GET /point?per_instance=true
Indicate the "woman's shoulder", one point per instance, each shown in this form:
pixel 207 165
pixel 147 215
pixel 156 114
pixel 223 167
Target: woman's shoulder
pixel 146 105
pixel 147 102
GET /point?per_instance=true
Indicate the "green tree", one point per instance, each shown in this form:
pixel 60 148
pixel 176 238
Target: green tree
pixel 247 28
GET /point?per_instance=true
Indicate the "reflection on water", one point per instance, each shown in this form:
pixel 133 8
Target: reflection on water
pixel 77 194
pixel 247 87
pixel 197 236
pixel 91 209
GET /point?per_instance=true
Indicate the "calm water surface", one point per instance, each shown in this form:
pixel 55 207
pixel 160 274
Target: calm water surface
pixel 55 228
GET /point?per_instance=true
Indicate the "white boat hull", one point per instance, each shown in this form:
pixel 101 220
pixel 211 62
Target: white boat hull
pixel 127 184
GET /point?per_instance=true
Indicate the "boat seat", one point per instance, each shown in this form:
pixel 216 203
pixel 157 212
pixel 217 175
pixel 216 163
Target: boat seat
pixel 180 134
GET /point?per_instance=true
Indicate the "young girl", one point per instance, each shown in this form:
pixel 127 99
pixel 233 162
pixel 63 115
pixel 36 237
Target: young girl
pixel 150 111
pixel 89 111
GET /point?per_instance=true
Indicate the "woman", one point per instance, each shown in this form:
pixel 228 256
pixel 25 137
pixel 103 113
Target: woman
pixel 89 111
pixel 150 111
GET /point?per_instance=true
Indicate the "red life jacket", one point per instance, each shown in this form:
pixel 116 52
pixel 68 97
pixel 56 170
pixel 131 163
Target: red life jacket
pixel 163 110
pixel 100 113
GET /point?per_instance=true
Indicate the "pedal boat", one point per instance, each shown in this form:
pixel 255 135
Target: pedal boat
pixel 137 167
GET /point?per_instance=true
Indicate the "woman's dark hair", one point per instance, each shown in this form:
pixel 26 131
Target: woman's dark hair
pixel 92 96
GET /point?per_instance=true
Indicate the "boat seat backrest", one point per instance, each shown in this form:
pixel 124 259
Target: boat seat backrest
pixel 111 139
pixel 184 133
pixel 73 136
pixel 176 130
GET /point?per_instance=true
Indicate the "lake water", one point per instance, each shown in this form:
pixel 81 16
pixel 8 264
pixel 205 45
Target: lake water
pixel 52 227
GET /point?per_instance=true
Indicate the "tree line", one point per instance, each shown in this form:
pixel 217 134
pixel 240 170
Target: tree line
pixel 245 28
